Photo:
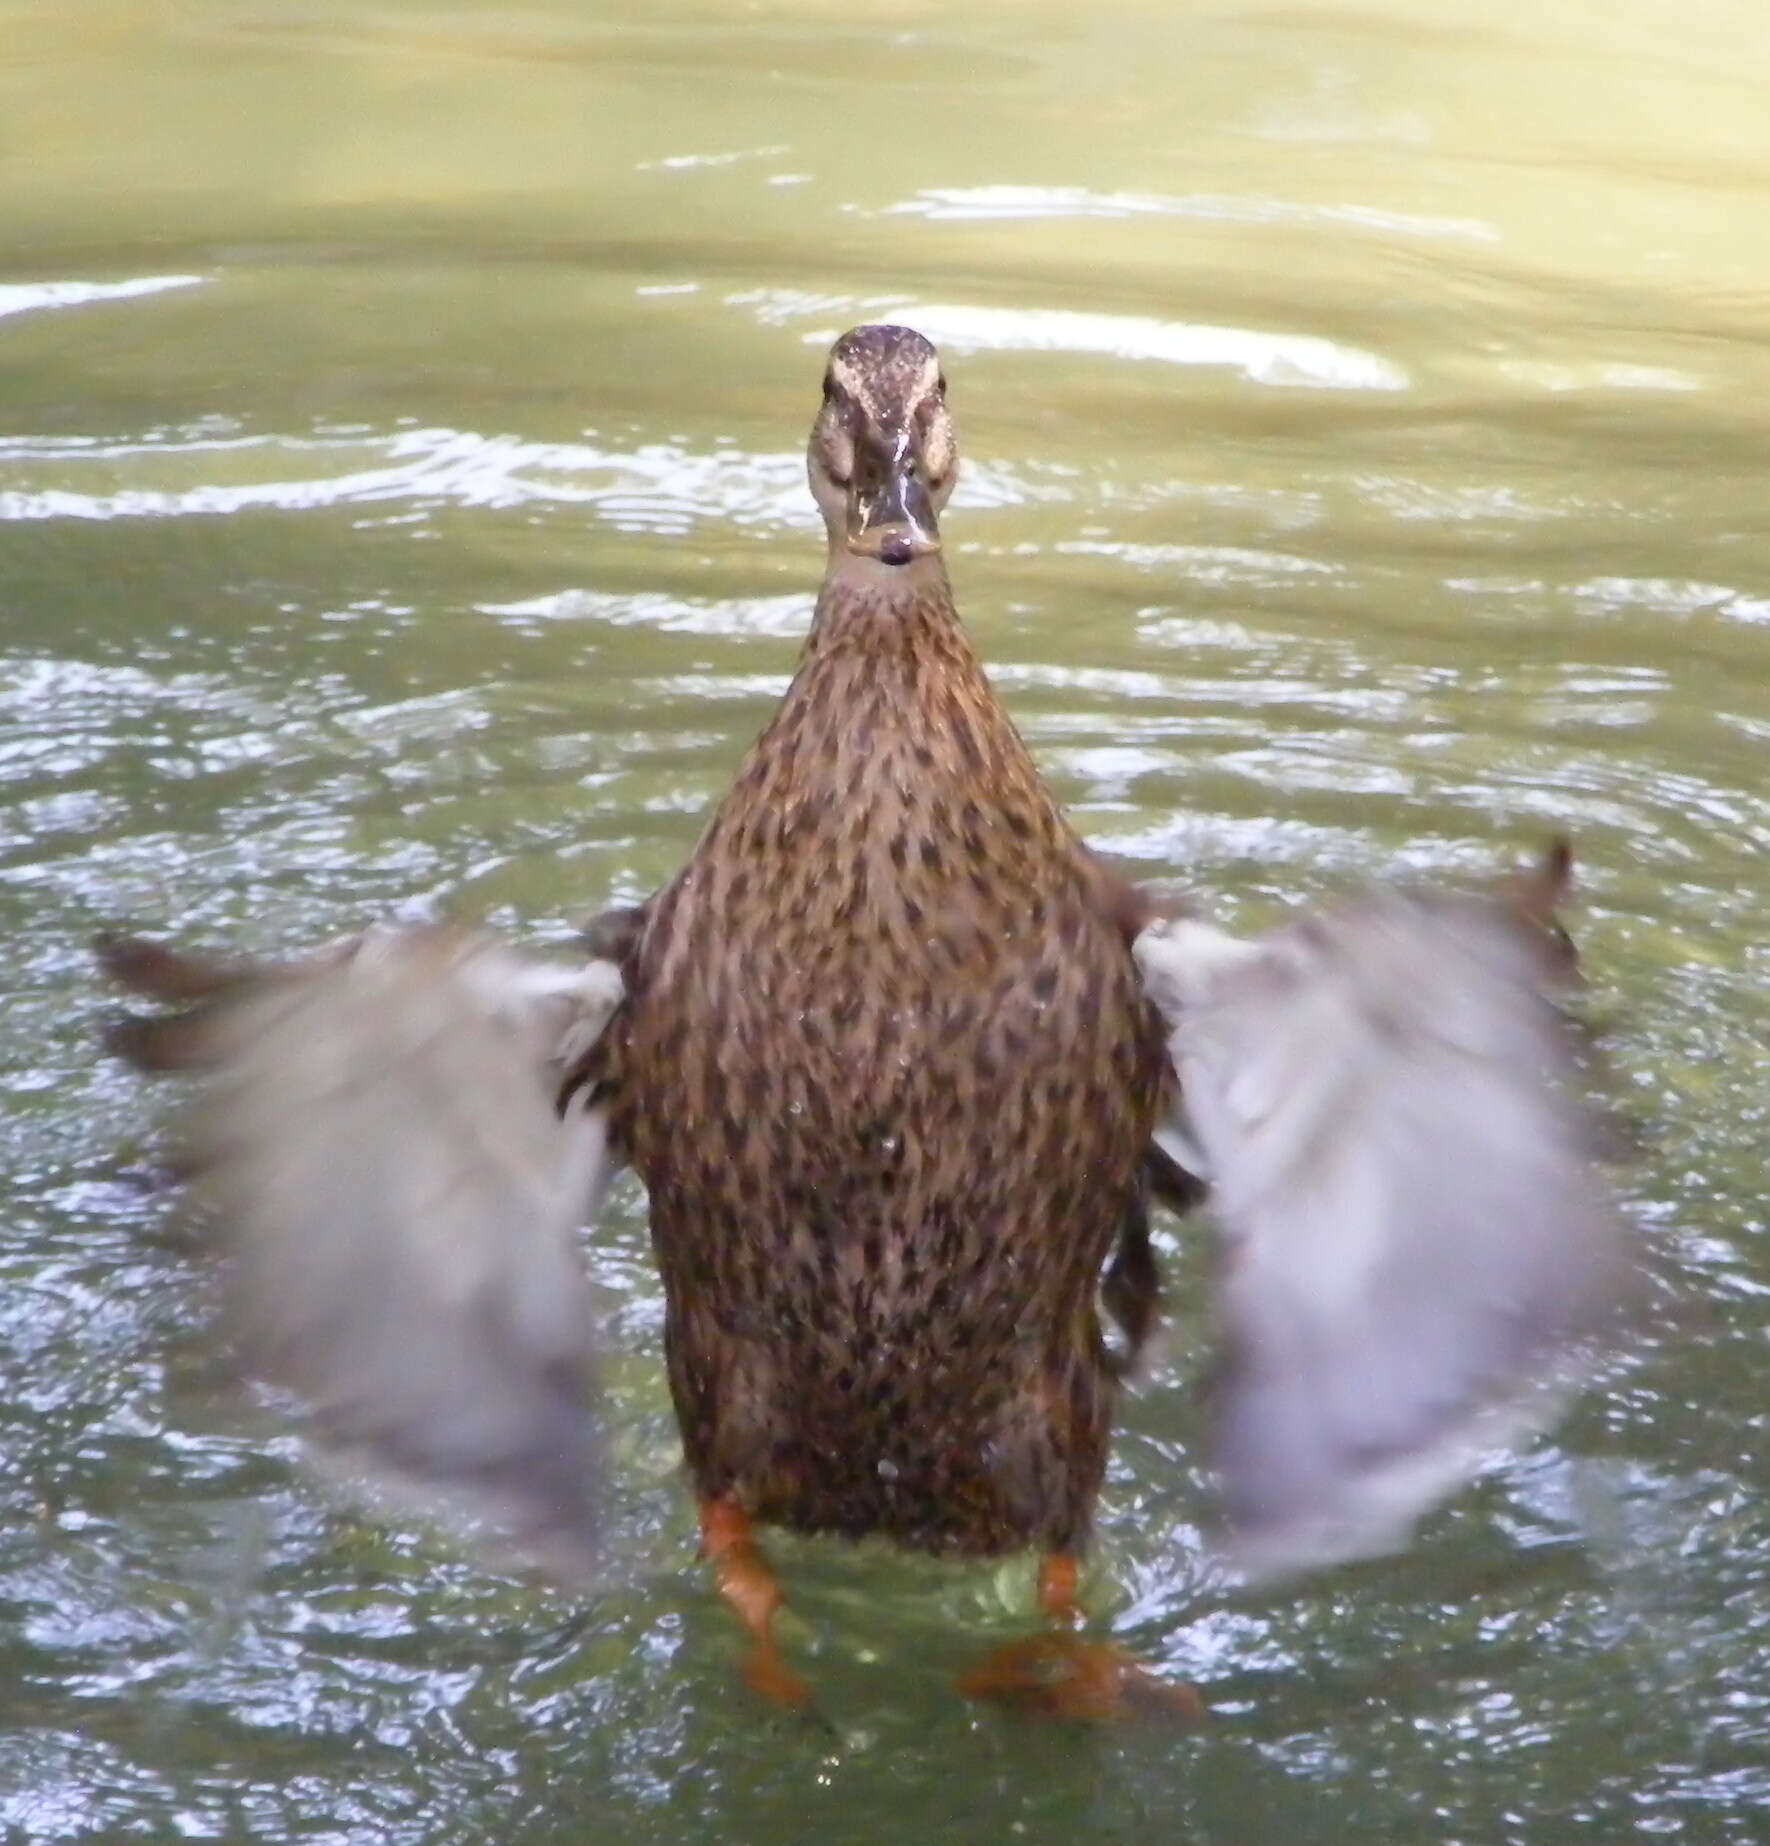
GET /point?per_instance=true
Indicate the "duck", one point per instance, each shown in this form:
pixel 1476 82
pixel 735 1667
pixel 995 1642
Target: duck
pixel 903 1065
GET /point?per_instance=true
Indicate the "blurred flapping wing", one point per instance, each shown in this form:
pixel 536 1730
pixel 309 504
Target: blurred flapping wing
pixel 374 1132
pixel 1417 1249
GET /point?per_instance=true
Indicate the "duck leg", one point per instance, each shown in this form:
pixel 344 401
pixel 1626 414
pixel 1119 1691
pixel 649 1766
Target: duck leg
pixel 1061 1674
pixel 754 1594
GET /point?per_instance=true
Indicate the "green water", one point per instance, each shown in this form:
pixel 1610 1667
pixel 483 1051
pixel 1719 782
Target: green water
pixel 1366 433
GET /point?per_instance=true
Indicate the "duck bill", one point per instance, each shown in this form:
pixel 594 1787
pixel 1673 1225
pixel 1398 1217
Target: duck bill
pixel 891 518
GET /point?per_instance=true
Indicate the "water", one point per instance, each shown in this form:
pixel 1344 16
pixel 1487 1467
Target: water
pixel 401 414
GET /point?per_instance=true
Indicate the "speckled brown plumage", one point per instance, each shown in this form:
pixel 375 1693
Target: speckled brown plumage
pixel 889 1074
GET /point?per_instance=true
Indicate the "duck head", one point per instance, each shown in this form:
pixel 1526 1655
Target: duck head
pixel 882 458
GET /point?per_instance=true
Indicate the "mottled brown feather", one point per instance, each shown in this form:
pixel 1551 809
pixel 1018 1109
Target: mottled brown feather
pixel 889 1073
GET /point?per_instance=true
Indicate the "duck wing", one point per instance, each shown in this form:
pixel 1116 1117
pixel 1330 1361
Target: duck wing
pixel 1417 1250
pixel 374 1131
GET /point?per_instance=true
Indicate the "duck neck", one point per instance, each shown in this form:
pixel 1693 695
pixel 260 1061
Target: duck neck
pixel 891 687
pixel 865 602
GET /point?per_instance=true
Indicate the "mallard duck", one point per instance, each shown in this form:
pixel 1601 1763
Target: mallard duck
pixel 900 1063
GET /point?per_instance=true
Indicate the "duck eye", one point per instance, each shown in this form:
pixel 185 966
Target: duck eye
pixel 940 385
pixel 829 387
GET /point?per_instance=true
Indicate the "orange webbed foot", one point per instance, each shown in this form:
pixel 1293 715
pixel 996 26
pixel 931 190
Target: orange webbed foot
pixel 754 1595
pixel 1061 1675
pixel 1065 1676
pixel 770 1678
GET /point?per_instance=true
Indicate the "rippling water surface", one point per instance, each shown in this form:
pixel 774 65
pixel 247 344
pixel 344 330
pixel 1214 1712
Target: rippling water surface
pixel 401 503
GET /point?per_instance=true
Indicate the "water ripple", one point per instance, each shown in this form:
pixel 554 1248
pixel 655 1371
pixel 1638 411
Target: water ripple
pixel 967 204
pixel 657 487
pixel 1263 358
pixel 29 297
